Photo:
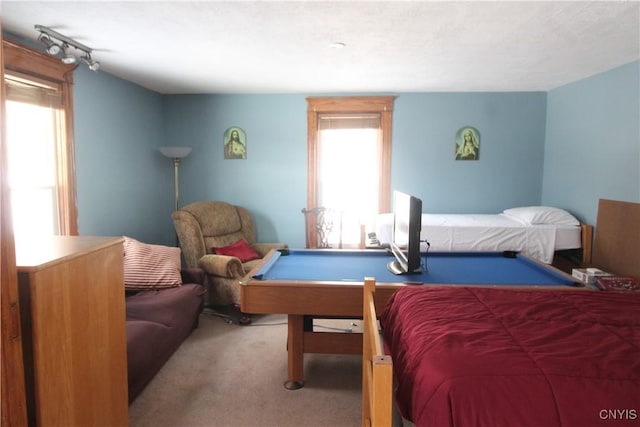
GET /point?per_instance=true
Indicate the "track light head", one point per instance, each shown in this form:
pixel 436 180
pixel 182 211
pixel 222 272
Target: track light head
pixel 94 66
pixel 52 47
pixel 68 57
pixel 91 63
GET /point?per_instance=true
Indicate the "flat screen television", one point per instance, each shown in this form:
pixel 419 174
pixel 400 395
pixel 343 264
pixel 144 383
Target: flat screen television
pixel 405 238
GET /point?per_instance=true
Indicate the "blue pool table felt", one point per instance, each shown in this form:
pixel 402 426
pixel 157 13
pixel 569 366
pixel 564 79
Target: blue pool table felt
pixel 441 268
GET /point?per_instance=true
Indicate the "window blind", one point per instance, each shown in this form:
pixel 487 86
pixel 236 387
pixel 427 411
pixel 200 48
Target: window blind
pixel 32 91
pixel 348 121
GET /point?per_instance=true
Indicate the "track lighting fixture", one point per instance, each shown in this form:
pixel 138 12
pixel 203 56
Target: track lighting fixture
pixel 56 44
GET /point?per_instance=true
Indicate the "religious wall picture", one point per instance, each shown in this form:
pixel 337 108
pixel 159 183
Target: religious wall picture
pixel 235 143
pixel 467 144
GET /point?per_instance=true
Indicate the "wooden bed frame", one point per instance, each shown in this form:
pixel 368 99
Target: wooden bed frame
pixel 616 248
pixel 586 237
pixel 568 259
pixel 377 368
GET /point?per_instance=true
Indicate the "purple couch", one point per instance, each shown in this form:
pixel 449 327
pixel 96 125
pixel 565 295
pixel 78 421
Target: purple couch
pixel 158 322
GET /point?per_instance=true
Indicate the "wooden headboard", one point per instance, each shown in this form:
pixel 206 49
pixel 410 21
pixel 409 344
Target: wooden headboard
pixel 617 243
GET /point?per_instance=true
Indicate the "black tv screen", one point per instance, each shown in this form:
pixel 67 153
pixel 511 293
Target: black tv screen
pixel 405 239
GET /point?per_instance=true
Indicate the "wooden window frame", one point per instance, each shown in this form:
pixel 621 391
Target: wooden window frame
pixel 316 106
pixel 25 60
pixel 13 408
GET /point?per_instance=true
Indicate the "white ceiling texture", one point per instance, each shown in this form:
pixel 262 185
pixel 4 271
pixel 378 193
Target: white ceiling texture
pixel 177 47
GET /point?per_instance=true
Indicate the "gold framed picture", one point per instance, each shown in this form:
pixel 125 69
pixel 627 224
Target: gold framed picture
pixel 235 143
pixel 467 144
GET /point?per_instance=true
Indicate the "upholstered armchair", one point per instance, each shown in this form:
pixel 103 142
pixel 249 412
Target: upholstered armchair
pixel 207 230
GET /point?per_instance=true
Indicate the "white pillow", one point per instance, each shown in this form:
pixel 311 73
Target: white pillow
pixel 150 266
pixel 539 215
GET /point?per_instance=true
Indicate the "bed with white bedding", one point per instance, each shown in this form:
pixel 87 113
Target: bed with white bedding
pixel 537 231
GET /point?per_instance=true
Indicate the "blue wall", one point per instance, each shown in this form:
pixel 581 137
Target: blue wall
pixel 509 170
pixel 592 148
pixel 516 166
pixel 568 148
pixel 125 186
pixel 272 181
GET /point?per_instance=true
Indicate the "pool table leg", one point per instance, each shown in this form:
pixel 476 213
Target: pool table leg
pixel 295 352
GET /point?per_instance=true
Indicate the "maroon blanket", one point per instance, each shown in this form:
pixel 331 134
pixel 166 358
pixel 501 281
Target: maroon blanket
pixel 491 357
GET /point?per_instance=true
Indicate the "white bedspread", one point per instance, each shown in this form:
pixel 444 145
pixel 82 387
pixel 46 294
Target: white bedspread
pixel 484 232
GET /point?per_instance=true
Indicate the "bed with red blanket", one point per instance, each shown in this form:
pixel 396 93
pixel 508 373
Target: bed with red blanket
pixel 492 357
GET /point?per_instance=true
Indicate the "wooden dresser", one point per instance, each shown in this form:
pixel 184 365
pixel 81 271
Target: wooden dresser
pixel 73 318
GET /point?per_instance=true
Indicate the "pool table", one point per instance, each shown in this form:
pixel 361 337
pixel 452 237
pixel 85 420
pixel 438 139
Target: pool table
pixel 307 284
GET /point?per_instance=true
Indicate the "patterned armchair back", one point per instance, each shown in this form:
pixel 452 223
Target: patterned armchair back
pixel 202 226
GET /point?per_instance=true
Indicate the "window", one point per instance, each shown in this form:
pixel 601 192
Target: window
pixel 39 130
pixel 349 157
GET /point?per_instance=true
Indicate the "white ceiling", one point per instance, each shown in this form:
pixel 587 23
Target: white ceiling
pixel 391 46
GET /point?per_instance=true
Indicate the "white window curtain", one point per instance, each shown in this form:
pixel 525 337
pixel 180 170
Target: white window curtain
pixel 348 157
pixel 33 114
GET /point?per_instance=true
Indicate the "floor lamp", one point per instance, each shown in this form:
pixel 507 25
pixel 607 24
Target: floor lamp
pixel 178 153
pixel 175 153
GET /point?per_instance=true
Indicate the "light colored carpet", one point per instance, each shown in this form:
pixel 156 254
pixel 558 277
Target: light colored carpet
pixel 232 376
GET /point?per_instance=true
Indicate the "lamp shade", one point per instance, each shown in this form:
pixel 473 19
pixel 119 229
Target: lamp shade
pixel 175 152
